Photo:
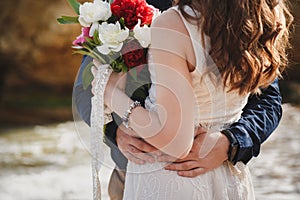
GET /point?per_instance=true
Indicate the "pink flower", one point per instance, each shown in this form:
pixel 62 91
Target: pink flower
pixel 81 38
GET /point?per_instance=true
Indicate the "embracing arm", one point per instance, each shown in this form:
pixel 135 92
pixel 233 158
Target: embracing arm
pixel 259 119
pixel 170 126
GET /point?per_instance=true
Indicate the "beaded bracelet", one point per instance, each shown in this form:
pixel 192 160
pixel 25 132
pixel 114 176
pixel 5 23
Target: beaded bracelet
pixel 125 117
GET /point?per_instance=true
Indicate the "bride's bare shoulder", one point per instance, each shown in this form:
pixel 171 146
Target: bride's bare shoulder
pixel 170 19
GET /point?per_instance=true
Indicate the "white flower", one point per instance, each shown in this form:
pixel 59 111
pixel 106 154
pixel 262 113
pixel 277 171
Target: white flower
pixel 112 37
pixel 95 26
pixel 142 34
pixel 93 12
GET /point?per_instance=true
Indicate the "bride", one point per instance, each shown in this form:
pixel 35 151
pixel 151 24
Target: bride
pixel 205 58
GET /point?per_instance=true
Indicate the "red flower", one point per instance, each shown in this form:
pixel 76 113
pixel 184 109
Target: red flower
pixel 133 54
pixel 131 11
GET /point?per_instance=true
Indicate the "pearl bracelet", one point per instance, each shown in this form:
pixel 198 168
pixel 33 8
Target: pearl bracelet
pixel 125 117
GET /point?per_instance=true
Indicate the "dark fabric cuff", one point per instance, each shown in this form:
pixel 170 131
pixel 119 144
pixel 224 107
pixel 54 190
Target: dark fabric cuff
pixel 111 130
pixel 245 151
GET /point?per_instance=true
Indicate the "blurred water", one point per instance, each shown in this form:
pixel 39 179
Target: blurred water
pixel 276 172
pixel 53 163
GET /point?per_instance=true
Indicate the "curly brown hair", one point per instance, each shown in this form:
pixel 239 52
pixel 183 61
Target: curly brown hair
pixel 248 39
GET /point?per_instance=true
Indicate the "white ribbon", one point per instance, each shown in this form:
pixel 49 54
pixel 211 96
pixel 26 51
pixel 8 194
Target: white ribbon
pixel 98 121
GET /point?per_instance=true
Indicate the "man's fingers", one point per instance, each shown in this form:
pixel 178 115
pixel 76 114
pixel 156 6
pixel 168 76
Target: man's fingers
pixel 192 173
pixel 184 166
pixel 143 146
pixel 134 159
pixel 135 149
pixel 166 158
pixel 124 140
pixel 141 155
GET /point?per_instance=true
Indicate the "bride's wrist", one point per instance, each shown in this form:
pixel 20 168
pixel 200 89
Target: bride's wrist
pixel 108 95
pixel 122 81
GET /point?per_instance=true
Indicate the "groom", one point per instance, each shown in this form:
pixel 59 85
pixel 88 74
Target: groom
pixel 240 142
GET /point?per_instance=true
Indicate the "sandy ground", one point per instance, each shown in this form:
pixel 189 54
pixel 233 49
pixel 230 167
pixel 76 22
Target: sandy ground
pixel 53 163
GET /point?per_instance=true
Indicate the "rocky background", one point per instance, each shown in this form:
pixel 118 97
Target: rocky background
pixel 38 68
pixel 36 62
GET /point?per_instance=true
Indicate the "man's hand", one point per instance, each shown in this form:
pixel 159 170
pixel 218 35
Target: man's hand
pixel 135 149
pixel 209 151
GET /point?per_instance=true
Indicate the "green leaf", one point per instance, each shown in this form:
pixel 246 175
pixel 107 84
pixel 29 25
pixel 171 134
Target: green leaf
pixel 87 76
pixel 75 5
pixel 94 54
pixel 96 37
pixel 123 67
pixel 67 20
pixel 90 41
pixel 82 52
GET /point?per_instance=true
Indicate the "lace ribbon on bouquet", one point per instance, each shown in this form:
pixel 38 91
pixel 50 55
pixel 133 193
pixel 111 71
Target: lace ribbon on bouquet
pixel 98 118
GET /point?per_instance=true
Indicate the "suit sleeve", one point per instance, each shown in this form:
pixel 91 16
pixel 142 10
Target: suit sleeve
pixel 259 119
pixel 82 97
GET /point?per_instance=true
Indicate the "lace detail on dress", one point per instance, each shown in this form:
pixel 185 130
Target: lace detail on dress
pixel 98 118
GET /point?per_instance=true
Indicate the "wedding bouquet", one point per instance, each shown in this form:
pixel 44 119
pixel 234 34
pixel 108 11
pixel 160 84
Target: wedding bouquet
pixel 113 32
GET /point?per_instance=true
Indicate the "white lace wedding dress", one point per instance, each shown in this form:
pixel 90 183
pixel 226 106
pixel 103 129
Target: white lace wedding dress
pixel 216 109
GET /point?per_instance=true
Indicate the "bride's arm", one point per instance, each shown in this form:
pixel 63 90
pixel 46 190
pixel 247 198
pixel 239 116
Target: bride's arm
pixel 170 128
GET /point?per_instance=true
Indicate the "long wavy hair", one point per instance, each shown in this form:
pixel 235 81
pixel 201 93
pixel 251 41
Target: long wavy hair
pixel 248 39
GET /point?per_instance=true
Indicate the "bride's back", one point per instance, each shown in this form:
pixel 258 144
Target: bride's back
pixel 214 104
